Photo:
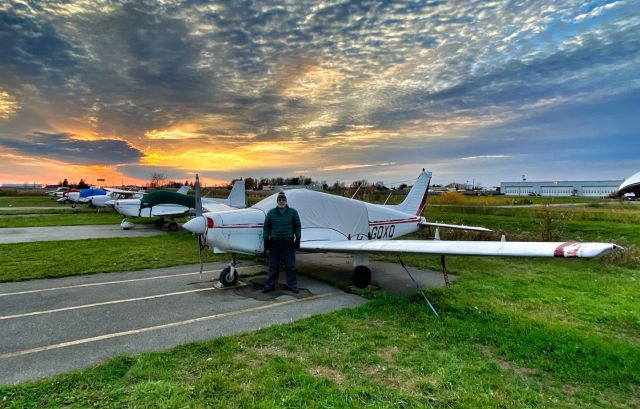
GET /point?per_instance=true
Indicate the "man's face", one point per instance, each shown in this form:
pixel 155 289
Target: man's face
pixel 282 202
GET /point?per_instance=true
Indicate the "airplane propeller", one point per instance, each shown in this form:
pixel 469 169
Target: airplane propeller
pixel 203 230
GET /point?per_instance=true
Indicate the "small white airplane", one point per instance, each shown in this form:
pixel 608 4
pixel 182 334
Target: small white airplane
pixel 337 224
pixel 58 192
pixel 113 194
pixel 84 195
pixel 162 203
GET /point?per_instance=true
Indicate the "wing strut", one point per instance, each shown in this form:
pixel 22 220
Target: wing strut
pixel 418 286
pixel 444 271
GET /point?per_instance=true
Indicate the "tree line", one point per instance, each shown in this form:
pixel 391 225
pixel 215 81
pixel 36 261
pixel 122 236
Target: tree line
pixel 159 180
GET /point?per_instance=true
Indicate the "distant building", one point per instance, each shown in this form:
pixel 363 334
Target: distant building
pixel 290 187
pixel 585 188
pixel 22 186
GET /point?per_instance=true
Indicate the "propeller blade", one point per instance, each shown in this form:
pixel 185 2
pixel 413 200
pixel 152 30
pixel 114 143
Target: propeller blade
pixel 198 197
pixel 201 224
pixel 200 254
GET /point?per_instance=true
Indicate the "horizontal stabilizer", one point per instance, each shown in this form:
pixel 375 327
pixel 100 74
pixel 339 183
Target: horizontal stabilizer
pixel 454 226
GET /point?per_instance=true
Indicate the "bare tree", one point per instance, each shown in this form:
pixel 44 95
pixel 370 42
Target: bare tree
pixel 157 179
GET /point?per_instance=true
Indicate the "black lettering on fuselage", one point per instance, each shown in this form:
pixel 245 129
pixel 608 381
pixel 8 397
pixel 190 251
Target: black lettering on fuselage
pixel 383 232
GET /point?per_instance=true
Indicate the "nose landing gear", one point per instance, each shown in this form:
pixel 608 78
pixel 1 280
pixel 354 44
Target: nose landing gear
pixel 229 275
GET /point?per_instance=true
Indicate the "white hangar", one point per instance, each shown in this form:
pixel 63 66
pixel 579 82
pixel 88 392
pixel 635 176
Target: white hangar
pixel 584 188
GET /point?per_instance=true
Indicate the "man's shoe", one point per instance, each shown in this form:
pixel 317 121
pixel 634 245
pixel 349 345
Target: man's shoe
pixel 294 290
pixel 267 290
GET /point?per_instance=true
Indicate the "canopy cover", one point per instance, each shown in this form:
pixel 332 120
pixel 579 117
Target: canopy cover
pixel 167 197
pixel 321 210
pixel 92 191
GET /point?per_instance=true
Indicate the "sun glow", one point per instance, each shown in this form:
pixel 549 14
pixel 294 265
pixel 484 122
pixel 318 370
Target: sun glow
pixel 20 168
pixel 8 105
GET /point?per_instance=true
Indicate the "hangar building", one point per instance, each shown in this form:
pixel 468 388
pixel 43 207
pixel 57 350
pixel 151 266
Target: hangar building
pixel 586 188
pixel 631 185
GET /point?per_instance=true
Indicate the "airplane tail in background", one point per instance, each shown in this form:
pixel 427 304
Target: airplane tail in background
pixel 184 190
pixel 237 196
pixel 417 198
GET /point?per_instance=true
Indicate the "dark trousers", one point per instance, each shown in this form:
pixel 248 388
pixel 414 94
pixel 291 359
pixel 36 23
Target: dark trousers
pixel 277 250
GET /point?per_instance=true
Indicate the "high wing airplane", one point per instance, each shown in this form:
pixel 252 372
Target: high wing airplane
pixel 163 203
pixel 84 196
pixel 337 224
pixel 63 196
pixel 113 194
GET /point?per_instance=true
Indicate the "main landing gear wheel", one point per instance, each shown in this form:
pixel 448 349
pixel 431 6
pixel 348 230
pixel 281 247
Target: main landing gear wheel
pixel 159 222
pixel 228 278
pixel 73 205
pixel 173 226
pixel 361 276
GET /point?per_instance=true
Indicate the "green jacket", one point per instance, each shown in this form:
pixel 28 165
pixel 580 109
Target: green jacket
pixel 282 225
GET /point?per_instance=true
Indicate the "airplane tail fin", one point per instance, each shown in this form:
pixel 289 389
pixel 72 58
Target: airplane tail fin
pixel 417 198
pixel 238 196
pixel 184 190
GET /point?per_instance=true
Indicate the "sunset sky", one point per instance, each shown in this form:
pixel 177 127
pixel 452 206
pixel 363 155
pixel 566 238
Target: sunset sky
pixel 334 90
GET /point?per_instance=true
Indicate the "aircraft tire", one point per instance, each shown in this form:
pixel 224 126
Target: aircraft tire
pixel 173 226
pixel 361 276
pixel 73 205
pixel 226 279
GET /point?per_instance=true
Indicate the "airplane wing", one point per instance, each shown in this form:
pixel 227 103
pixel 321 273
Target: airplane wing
pixel 169 213
pixel 466 248
pixel 215 207
pixel 123 191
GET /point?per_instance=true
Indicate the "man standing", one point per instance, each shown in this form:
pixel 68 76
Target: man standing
pixel 281 235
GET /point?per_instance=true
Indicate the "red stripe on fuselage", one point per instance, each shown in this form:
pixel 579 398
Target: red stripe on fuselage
pixel 240 226
pixel 399 221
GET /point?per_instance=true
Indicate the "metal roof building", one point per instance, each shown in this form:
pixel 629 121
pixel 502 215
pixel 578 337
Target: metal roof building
pixel 583 188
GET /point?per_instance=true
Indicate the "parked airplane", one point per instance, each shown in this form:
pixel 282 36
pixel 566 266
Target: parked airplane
pixel 58 192
pixel 337 224
pixel 63 196
pixel 163 203
pixel 113 194
pixel 84 196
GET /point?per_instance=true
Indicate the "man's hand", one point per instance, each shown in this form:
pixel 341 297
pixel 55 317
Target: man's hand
pixel 296 242
pixel 266 246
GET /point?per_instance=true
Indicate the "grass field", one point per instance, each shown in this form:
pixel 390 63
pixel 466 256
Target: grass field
pixel 514 332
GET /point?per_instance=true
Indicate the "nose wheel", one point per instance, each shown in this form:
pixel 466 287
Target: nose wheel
pixel 229 275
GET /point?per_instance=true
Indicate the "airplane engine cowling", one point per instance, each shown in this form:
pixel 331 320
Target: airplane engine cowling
pixel 238 231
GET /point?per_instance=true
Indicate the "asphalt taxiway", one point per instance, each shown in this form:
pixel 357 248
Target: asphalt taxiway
pixel 53 326
pixel 57 325
pixel 31 234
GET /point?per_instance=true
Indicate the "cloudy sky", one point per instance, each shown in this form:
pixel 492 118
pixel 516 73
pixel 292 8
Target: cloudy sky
pixel 335 90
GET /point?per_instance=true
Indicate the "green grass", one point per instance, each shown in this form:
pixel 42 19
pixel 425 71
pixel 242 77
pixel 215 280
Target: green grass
pixel 27 261
pixel 514 333
pixel 391 352
pixel 68 218
pixel 27 200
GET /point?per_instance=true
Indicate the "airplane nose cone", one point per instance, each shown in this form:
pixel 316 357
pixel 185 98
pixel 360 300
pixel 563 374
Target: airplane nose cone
pixel 196 225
